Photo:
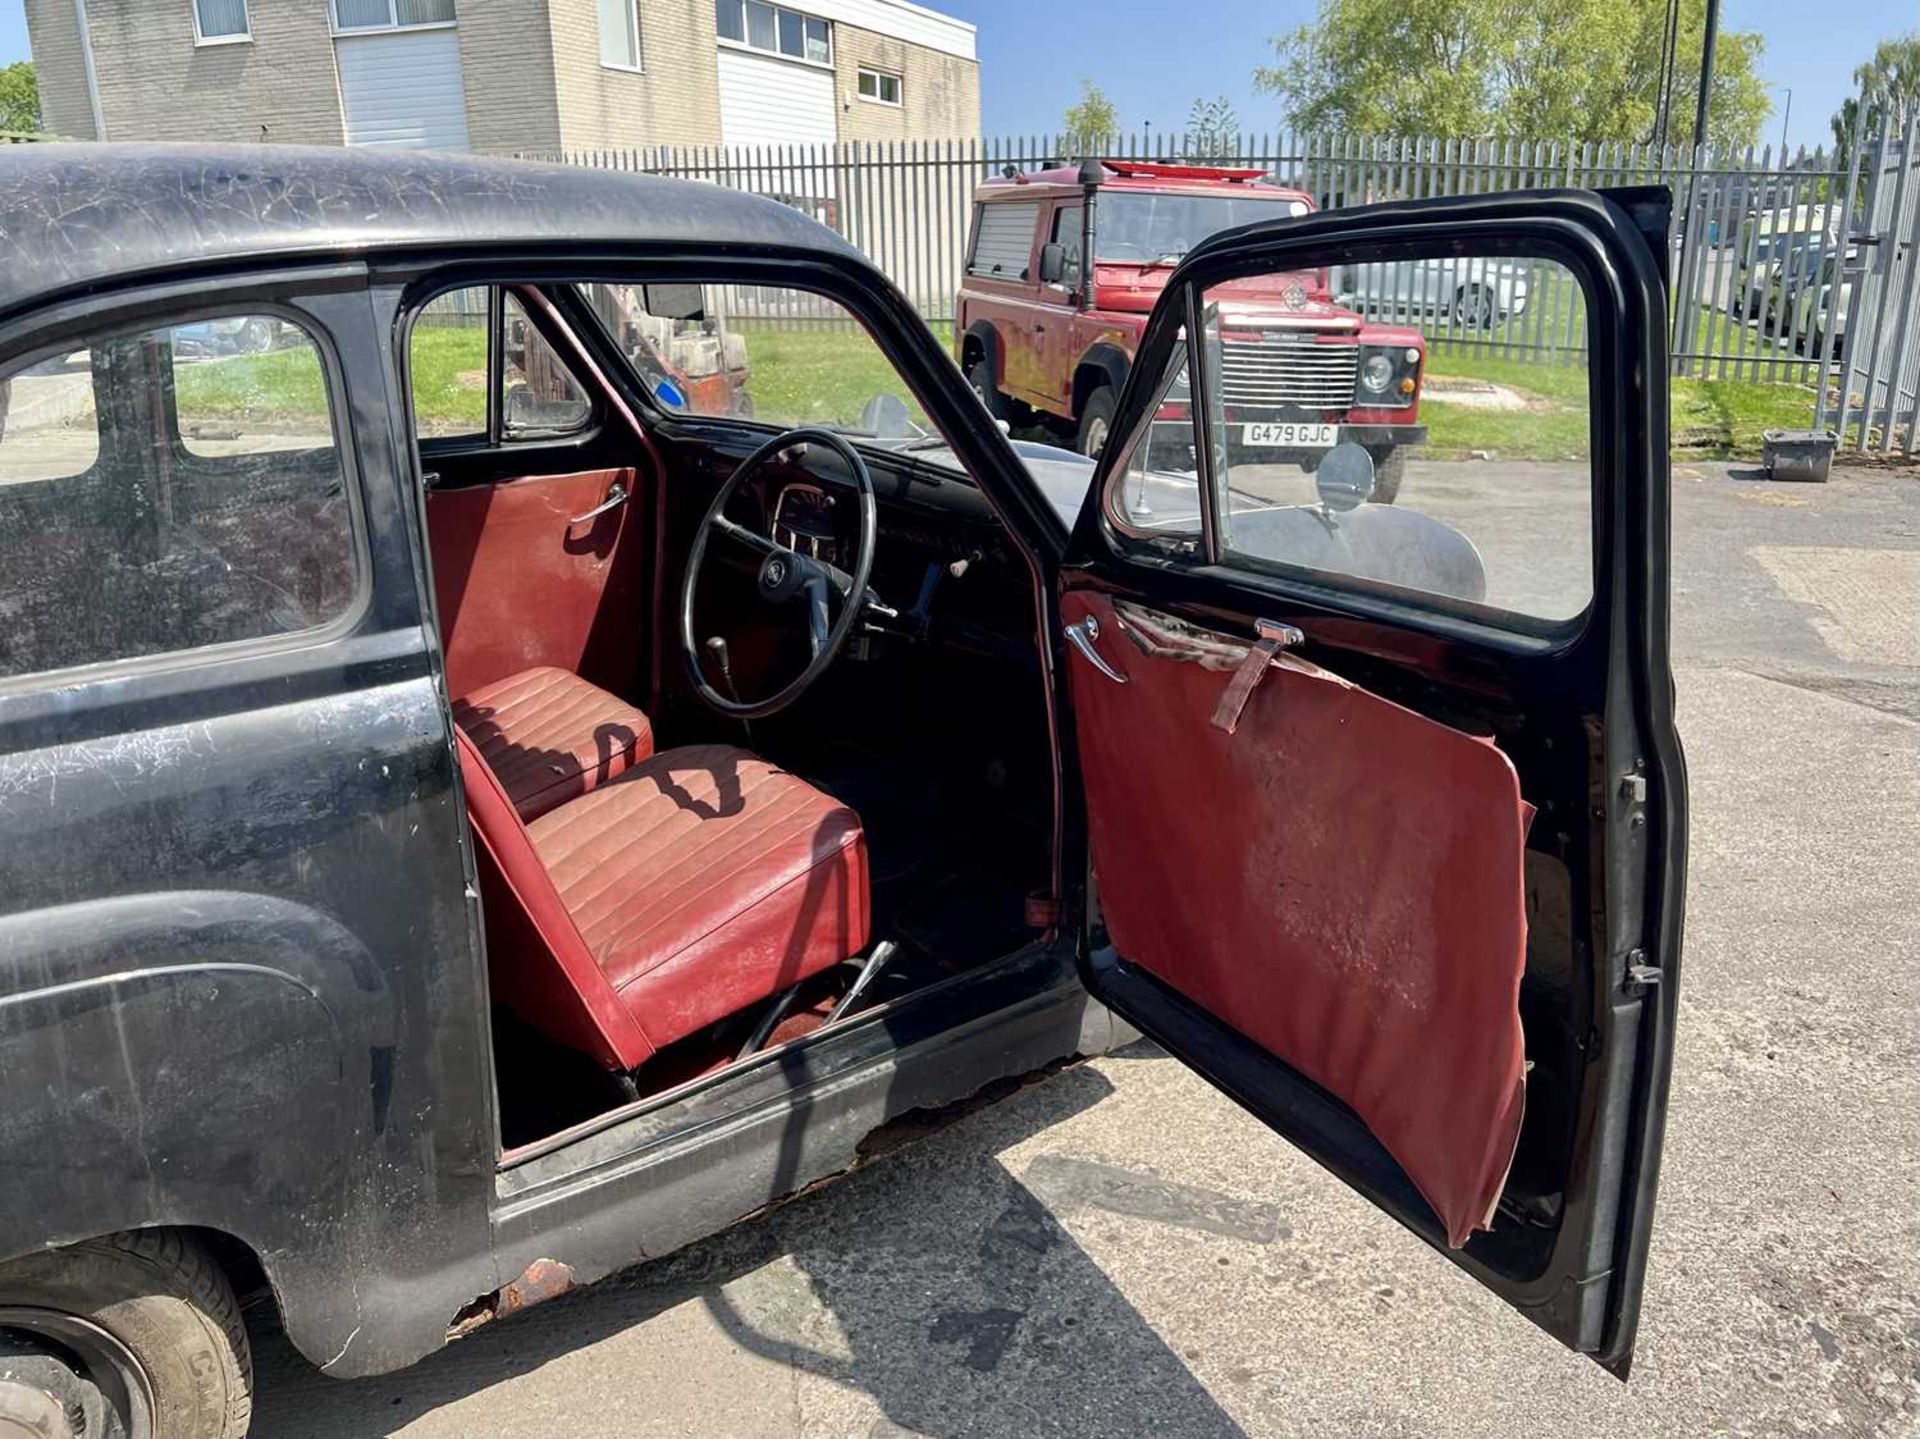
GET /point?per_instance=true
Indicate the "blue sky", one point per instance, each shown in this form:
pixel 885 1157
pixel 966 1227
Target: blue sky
pixel 1032 55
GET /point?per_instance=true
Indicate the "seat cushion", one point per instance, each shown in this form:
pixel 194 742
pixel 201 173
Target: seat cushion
pixel 705 880
pixel 549 736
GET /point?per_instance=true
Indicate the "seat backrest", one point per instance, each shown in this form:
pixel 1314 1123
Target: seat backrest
pixel 538 966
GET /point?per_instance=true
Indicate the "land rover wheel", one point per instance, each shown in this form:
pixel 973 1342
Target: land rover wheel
pixel 1389 468
pixel 134 1334
pixel 980 379
pixel 1096 421
pixel 1473 308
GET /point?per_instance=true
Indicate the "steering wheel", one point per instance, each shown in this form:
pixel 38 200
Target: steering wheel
pixel 785 576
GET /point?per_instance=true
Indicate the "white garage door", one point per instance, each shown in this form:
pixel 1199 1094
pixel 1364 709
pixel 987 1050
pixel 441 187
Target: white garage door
pixel 403 90
pixel 764 101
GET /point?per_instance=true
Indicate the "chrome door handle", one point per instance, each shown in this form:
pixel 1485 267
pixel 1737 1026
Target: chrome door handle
pixel 1081 634
pixel 616 497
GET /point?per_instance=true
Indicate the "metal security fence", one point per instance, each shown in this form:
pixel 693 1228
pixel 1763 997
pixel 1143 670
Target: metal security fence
pixel 1792 268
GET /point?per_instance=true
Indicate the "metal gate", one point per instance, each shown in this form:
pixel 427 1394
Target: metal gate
pixel 1872 344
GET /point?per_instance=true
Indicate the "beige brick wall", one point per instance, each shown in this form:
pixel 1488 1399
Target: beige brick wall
pixel 156 84
pixel 674 101
pixel 506 65
pixel 55 41
pixel 940 93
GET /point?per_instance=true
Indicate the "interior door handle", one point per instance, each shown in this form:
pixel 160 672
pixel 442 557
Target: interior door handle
pixel 1081 634
pixel 616 497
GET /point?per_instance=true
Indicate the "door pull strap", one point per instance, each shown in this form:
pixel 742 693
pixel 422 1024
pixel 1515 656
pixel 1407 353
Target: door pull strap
pixel 1273 637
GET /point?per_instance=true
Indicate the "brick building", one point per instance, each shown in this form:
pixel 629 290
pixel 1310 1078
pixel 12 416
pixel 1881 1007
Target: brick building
pixel 499 76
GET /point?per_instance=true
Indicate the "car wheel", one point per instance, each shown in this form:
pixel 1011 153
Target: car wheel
pixel 135 1333
pixel 1473 308
pixel 1389 469
pixel 1096 421
pixel 980 379
pixel 255 337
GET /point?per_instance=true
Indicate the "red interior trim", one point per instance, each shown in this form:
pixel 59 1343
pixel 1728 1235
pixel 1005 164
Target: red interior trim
pixel 1339 880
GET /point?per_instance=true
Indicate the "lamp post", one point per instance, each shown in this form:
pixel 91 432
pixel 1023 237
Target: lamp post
pixel 1706 73
pixel 1785 116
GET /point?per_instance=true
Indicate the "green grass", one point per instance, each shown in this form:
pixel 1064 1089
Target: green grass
pixel 450 379
pixel 1706 417
pixel 818 375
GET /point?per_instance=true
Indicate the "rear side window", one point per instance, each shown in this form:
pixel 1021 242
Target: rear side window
pixel 1003 240
pixel 170 489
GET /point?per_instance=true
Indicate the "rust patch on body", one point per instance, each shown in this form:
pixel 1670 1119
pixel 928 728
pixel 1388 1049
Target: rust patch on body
pixel 540 1281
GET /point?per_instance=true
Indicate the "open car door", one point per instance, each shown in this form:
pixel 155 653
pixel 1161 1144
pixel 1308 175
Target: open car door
pixel 1385 810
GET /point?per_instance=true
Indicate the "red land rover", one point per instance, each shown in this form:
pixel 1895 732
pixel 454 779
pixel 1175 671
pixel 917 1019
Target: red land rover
pixel 1044 337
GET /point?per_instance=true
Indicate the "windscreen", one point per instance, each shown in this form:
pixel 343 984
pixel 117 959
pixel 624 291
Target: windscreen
pixel 1142 228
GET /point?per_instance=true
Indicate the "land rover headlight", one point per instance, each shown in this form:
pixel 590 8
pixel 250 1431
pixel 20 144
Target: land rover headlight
pixel 1376 374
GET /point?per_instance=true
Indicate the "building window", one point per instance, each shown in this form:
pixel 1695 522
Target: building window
pixel 390 14
pixel 760 26
pixel 879 87
pixel 620 34
pixel 220 22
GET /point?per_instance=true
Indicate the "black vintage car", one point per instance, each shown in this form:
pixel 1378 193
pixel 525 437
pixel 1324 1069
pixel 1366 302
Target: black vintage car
pixel 470 820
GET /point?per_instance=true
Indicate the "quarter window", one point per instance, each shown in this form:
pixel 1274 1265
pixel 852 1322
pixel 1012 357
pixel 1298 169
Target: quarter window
pixel 773 28
pixel 620 34
pixel 391 14
pixel 217 20
pixel 169 489
pixel 536 398
pixel 879 86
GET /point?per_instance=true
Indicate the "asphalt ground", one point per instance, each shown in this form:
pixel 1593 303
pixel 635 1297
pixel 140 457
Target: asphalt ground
pixel 1118 1250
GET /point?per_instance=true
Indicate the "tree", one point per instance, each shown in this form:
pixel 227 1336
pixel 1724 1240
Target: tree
pixel 1889 85
pixel 1213 130
pixel 19 98
pixel 1577 70
pixel 1092 124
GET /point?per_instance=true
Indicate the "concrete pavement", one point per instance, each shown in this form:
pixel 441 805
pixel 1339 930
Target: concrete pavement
pixel 1118 1250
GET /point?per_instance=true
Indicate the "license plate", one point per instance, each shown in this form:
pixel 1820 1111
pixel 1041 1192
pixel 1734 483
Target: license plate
pixel 1291 435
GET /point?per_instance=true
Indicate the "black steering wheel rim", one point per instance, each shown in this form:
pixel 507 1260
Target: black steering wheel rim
pixel 853 599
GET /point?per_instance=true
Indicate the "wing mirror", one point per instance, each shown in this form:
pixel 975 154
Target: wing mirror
pixel 1053 264
pixel 1345 478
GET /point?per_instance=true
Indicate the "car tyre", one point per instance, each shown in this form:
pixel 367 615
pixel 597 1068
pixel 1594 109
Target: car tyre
pixel 140 1318
pixel 1473 308
pixel 1389 469
pixel 1096 421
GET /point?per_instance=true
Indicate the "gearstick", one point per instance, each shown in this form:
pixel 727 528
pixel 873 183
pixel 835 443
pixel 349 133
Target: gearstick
pixel 717 647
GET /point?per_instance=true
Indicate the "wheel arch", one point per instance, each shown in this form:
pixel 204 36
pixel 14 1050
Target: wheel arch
pixel 981 341
pixel 1102 364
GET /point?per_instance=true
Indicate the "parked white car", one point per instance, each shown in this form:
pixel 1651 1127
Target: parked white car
pixel 1474 292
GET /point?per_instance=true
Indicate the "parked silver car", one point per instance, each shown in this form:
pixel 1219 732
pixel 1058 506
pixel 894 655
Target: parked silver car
pixel 1475 292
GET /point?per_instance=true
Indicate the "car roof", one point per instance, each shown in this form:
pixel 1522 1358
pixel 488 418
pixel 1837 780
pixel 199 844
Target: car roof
pixel 77 215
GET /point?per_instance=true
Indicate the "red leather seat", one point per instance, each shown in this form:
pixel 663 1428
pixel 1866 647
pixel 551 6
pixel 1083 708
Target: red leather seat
pixel 549 736
pixel 694 885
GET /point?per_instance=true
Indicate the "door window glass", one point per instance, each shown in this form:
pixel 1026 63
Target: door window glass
pixel 1417 424
pixel 780 356
pixel 169 489
pixel 1067 222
